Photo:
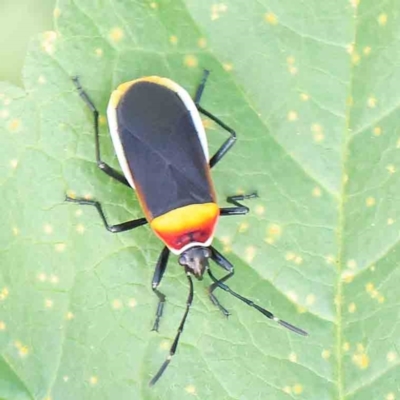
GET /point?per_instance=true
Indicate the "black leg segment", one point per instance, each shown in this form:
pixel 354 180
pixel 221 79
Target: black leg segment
pixel 157 277
pixel 250 303
pixel 239 208
pixel 125 226
pixel 231 140
pixel 212 296
pixel 101 164
pixel 176 340
pixel 219 259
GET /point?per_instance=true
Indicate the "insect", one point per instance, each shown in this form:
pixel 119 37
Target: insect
pixel 161 147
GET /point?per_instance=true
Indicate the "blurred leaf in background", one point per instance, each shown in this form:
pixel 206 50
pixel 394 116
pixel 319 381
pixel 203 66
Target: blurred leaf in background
pixel 313 90
pixel 19 21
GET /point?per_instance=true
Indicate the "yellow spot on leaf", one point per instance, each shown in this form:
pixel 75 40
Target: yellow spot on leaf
pixel 190 389
pixel 382 19
pixel 290 256
pixel 116 34
pixel 293 357
pixel 80 228
pixel 297 389
pixel 292 296
pixel 202 43
pixel 4 293
pixel 56 12
pixel 227 67
pixel 367 50
pixel 14 125
pixel 216 9
pixel 391 356
pixel 132 303
pixel 391 168
pixel 243 227
pixel 290 60
pixel 2 326
pixel 293 70
pixel 298 260
pixel 54 279
pixel 69 315
pixel 292 116
pixel 346 346
pixel 190 61
pixel 93 380
pixel 369 287
pixel 352 308
pixel 41 80
pixel 304 96
pixel 173 40
pixel 325 354
pixel 99 52
pixel 48 229
pixel 347 276
pixel 14 163
pixel 250 253
pixel 260 210
pixel 271 18
pixel 164 345
pixel 330 259
pixel 4 113
pixel 48 41
pixel 377 131
pixel 15 231
pixel 390 396
pixel 316 192
pixel 23 350
pixel 390 221
pixel 42 277
pixel 102 120
pixel 371 102
pixel 207 123
pixel 48 303
pixel 116 304
pixel 360 357
pixel 287 389
pixel 153 5
pixel 352 264
pixel 350 48
pixel 354 3
pixel 355 58
pixel 310 299
pixel 370 202
pixel 60 247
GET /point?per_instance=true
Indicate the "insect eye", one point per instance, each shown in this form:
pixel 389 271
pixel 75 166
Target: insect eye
pixel 207 253
pixel 182 260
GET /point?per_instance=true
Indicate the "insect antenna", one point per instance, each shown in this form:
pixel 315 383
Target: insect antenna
pixel 176 340
pixel 250 303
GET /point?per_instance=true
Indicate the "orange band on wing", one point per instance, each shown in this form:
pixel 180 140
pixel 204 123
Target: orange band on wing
pixel 192 223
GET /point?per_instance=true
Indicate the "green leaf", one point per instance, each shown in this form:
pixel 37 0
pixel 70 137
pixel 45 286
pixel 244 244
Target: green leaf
pixel 313 91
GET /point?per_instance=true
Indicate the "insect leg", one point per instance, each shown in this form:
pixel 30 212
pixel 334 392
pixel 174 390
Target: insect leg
pixel 176 340
pixel 239 208
pixel 231 140
pixel 226 146
pixel 219 259
pixel 250 303
pixel 201 87
pixel 101 164
pixel 125 226
pixel 157 277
